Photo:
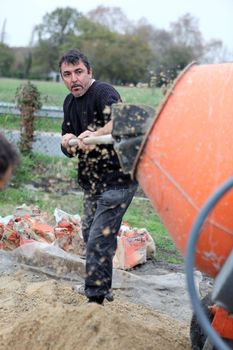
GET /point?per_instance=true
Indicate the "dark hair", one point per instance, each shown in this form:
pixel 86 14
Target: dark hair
pixel 8 155
pixel 73 56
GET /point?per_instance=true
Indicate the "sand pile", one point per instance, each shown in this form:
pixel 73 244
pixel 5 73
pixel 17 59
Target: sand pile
pixel 38 313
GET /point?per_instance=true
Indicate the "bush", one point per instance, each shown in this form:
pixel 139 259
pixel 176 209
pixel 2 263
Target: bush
pixel 28 100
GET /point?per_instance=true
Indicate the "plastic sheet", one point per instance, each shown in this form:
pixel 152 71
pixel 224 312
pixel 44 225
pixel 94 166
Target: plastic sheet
pixel 50 259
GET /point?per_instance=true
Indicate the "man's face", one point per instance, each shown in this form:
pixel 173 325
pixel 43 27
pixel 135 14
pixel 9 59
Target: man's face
pixel 5 178
pixel 76 77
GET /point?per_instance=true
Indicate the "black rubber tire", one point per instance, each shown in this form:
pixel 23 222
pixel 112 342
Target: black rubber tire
pixel 197 335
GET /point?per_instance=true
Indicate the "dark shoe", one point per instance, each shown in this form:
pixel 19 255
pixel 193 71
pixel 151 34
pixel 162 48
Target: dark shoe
pixel 109 297
pixel 81 290
pixel 97 300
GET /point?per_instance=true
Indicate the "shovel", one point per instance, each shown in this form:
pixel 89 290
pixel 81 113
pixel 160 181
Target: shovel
pixel 93 140
pixel 130 125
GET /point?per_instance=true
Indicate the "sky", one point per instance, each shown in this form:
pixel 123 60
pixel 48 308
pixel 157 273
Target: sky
pixel 215 17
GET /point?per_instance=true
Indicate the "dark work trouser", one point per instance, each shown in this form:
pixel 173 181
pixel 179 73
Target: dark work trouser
pixel 100 224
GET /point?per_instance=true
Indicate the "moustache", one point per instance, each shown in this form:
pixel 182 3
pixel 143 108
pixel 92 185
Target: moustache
pixel 76 86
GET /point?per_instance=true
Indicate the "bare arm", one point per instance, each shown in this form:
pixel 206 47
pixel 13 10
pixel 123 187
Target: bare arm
pixel 105 130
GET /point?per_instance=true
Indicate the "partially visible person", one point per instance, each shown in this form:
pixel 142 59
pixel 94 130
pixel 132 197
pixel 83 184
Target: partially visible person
pixel 107 190
pixel 8 160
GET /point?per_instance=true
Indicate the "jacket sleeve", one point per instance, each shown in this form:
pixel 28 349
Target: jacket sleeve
pixel 106 97
pixel 66 127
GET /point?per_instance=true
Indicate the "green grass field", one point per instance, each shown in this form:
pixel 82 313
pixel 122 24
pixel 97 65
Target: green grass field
pixel 53 93
pixel 12 122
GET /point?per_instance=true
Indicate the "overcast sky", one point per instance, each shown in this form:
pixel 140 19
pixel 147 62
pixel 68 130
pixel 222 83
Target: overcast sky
pixel 215 17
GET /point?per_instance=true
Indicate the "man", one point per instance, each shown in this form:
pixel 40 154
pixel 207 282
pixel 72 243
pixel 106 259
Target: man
pixel 107 190
pixel 8 159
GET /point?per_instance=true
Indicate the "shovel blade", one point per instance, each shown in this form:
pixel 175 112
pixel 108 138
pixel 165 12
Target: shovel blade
pixel 130 125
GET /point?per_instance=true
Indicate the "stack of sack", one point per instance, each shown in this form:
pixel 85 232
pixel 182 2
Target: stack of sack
pixel 28 224
pixel 134 246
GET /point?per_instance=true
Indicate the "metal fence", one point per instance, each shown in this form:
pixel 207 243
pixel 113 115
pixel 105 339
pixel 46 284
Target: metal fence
pixel 44 142
pixel 45 111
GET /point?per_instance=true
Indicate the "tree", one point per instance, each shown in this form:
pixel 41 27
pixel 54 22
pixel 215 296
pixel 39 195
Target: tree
pixel 28 59
pixel 173 50
pixel 160 40
pixel 45 57
pixel 57 25
pixel 93 39
pixel 117 58
pixel 3 32
pixel 185 32
pixel 175 59
pixel 128 60
pixel 6 60
pixel 21 62
pixel 215 52
pixel 112 18
pixel 52 33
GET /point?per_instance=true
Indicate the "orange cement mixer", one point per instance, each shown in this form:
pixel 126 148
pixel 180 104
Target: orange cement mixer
pixel 187 153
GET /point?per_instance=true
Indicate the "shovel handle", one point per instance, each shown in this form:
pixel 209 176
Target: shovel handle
pixel 94 140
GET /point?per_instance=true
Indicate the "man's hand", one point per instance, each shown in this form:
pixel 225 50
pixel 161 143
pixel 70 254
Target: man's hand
pixel 65 143
pixel 84 135
pixel 105 130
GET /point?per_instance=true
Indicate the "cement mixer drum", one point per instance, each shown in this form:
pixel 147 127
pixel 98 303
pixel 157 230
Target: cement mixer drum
pixel 187 153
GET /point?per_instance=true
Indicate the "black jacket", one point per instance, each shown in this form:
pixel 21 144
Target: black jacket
pixel 100 168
